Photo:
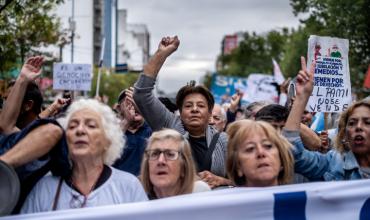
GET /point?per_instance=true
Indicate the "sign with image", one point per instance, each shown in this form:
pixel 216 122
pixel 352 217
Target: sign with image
pixel 75 77
pixel 332 84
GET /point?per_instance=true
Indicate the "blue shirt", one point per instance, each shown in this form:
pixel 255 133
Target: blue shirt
pixel 317 166
pixel 56 160
pixel 132 155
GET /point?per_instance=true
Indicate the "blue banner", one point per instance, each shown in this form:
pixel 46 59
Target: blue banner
pixel 223 87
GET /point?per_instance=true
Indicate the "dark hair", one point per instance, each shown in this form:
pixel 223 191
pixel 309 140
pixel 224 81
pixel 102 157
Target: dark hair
pixel 272 112
pixel 191 88
pixel 121 96
pixel 33 93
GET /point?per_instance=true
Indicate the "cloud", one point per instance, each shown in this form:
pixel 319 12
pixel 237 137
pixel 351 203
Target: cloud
pixel 201 25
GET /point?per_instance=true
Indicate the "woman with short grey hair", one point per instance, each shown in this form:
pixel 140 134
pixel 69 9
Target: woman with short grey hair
pixel 94 141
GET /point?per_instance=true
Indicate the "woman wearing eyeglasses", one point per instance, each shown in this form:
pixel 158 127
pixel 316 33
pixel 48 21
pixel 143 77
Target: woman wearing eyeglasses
pixel 94 141
pixel 168 168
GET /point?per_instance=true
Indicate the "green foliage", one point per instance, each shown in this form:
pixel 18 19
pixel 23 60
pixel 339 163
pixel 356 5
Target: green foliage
pixel 335 18
pixel 254 54
pixel 294 48
pixel 112 84
pixel 24 26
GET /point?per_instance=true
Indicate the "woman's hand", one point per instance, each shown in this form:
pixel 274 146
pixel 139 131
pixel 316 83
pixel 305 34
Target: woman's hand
pixel 213 180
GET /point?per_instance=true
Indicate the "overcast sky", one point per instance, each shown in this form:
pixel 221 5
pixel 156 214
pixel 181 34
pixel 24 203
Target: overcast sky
pixel 200 26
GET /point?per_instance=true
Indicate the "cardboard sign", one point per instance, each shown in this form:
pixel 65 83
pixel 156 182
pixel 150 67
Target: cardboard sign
pixel 72 77
pixel 332 84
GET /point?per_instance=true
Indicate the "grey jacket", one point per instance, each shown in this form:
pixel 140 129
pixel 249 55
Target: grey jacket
pixel 158 117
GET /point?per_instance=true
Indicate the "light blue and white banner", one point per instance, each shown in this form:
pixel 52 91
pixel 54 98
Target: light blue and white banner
pixel 321 200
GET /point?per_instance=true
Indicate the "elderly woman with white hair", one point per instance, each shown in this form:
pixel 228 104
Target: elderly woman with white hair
pixel 94 141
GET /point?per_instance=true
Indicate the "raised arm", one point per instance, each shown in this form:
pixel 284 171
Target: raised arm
pixel 154 112
pixel 309 138
pixel 166 47
pixel 30 71
pixel 311 164
pixel 304 87
pixel 54 108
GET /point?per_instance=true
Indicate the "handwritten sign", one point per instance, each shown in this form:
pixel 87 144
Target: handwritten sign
pixel 332 84
pixel 72 77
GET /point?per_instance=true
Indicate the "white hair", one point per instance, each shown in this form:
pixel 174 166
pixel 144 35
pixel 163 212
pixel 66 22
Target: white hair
pixel 222 111
pixel 111 126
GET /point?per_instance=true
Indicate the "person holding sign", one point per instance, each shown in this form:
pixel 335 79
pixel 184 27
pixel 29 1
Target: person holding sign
pixel 195 104
pixel 349 159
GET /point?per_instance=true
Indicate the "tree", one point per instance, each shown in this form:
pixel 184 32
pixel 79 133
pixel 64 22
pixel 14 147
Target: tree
pixel 24 27
pixel 254 53
pixel 294 47
pixel 111 85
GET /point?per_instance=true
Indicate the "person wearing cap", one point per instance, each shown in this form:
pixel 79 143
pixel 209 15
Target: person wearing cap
pixel 137 131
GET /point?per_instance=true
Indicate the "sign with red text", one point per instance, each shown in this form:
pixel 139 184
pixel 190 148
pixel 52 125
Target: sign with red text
pixel 332 84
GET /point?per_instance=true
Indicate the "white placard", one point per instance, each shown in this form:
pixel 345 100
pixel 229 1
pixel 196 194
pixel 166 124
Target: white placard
pixel 72 77
pixel 332 84
pixel 260 88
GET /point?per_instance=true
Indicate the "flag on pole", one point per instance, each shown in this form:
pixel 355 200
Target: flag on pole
pixel 279 78
pixel 367 79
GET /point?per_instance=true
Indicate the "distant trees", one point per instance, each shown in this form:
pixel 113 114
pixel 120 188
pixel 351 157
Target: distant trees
pixel 24 26
pixel 335 18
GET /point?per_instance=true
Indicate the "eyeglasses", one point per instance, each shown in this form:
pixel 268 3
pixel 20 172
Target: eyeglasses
pixel 168 154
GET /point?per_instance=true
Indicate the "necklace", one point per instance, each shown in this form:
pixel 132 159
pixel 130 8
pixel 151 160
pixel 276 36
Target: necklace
pixel 76 202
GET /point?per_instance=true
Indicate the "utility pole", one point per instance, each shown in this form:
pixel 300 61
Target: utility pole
pixel 72 26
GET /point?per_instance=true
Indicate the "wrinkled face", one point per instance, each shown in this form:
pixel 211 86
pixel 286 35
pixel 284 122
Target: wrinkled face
pixel 194 113
pixel 259 160
pixel 217 119
pixel 85 135
pixel 164 173
pixel 358 130
pixel 306 118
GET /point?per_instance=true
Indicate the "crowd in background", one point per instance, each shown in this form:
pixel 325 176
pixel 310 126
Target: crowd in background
pixel 79 153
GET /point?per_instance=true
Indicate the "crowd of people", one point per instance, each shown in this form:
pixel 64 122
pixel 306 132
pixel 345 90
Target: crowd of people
pixel 82 153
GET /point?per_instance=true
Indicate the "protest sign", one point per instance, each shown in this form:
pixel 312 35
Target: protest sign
pixel 332 84
pixel 223 87
pixel 72 77
pixel 260 88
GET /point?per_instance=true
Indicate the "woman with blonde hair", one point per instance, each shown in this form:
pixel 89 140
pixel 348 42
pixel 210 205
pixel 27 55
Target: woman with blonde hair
pixel 257 155
pixel 168 167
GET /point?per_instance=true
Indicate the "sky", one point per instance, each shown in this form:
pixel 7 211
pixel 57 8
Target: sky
pixel 201 26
